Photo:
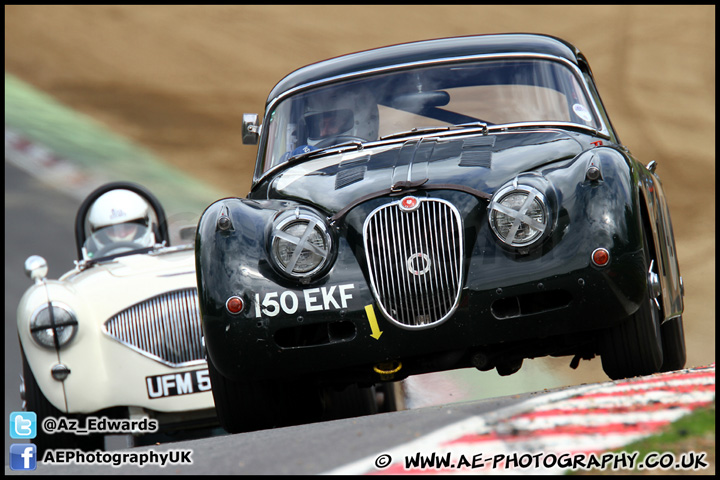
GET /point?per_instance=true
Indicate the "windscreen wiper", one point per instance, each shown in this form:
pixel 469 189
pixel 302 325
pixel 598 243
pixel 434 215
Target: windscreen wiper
pixel 355 144
pixel 426 130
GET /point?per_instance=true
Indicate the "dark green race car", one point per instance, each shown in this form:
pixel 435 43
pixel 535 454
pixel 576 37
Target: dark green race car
pixel 431 206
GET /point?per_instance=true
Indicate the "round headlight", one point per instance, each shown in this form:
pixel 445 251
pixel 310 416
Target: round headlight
pixel 300 244
pixel 518 215
pixel 52 323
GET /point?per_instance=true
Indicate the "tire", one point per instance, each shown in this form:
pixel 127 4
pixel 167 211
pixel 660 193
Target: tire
pixel 352 401
pixel 249 405
pixel 298 403
pixel 241 406
pixel 634 347
pixel 673 343
pixel 35 401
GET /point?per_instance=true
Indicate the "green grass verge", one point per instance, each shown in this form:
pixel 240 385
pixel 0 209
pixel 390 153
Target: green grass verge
pixel 93 147
pixel 688 441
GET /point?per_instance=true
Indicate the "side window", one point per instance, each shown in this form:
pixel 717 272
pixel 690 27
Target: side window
pixel 270 147
pixel 279 136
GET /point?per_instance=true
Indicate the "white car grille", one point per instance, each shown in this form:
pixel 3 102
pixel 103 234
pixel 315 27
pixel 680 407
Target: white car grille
pixel 415 260
pixel 165 328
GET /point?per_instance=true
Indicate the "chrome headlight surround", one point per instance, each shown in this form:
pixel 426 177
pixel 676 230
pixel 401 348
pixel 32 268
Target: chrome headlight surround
pixel 53 325
pixel 300 244
pixel 519 215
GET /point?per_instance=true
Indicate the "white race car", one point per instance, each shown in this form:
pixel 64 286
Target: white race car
pixel 115 344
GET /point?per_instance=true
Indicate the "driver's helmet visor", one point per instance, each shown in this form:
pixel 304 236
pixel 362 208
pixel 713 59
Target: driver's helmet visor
pixel 327 124
pixel 122 231
pixel 129 236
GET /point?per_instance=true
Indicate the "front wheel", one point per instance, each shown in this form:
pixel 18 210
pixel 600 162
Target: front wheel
pixel 673 344
pixel 248 405
pixel 35 401
pixel 352 401
pixel 241 406
pixel 634 347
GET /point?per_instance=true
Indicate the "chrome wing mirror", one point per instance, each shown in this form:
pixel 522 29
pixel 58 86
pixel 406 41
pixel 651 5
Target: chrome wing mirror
pixel 250 129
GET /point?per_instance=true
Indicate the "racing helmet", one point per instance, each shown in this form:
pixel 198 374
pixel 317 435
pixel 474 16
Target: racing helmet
pixel 121 213
pixel 341 111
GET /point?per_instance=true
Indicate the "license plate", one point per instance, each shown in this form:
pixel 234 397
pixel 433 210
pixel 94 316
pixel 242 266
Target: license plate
pixel 179 383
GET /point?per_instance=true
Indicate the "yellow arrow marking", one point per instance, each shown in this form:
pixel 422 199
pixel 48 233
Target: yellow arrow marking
pixel 373 322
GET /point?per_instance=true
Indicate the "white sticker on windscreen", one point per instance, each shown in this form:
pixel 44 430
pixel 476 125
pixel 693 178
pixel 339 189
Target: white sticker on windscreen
pixel 582 112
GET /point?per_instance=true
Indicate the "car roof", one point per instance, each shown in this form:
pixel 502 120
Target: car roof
pixel 426 50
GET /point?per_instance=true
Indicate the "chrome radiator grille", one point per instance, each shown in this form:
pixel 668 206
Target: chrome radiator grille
pixel 414 251
pixel 165 328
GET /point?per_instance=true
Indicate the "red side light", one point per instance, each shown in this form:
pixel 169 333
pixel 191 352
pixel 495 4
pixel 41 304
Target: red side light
pixel 234 305
pixel 600 257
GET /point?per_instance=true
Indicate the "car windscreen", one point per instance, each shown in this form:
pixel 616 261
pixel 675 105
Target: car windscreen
pixel 496 92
